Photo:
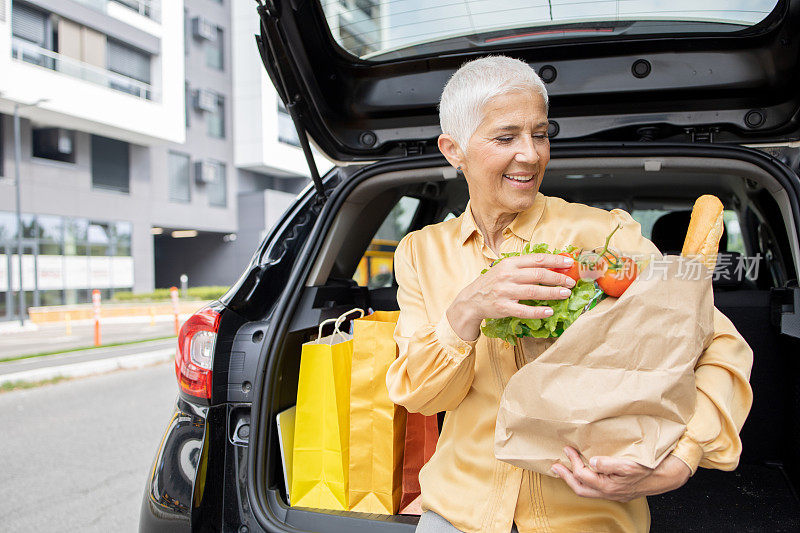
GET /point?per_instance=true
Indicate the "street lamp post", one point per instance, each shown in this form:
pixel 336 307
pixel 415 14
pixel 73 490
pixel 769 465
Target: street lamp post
pixel 17 159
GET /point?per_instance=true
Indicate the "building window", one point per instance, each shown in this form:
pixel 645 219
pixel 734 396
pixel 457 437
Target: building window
pixel 179 177
pixel 217 189
pixel 68 257
pixel 187 99
pixel 122 238
pixel 143 7
pixel 130 63
pixel 31 25
pixel 54 143
pixel 75 231
pixel 215 120
pixel 287 133
pixel 110 164
pixel 215 50
pixel 51 235
pixel 99 237
pixel 33 31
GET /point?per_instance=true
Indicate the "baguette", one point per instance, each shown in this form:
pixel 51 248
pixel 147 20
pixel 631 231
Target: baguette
pixel 705 230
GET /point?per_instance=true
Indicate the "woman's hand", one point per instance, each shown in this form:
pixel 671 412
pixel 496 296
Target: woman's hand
pixel 496 294
pixel 621 480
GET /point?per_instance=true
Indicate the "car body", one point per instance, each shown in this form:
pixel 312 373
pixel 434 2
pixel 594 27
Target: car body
pixel 646 120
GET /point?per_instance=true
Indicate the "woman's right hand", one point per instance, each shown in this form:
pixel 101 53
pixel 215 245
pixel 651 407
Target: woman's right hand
pixel 496 294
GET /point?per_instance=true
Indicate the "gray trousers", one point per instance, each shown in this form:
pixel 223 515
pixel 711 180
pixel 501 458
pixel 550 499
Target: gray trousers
pixel 431 522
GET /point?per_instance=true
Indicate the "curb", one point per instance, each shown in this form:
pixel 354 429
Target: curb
pixel 88 368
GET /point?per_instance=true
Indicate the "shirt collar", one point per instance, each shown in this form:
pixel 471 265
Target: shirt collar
pixel 522 226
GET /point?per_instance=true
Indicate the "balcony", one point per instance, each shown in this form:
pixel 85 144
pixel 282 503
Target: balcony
pixel 146 8
pixel 22 50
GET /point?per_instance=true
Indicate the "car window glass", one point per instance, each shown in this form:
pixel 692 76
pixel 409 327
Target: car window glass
pixel 376 268
pixel 734 231
pixel 648 217
pixel 393 29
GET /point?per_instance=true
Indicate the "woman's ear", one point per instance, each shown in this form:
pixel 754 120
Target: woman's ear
pixel 451 151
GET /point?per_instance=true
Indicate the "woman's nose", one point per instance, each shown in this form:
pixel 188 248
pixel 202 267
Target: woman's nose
pixel 527 152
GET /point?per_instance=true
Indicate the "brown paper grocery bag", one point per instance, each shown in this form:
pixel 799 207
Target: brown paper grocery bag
pixel 377 425
pixel 619 381
pixel 422 434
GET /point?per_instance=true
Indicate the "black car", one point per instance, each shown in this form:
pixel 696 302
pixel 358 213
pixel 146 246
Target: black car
pixel 646 115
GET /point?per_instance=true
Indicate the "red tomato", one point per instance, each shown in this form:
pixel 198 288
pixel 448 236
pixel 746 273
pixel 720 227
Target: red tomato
pixel 617 276
pixel 571 271
pixel 590 267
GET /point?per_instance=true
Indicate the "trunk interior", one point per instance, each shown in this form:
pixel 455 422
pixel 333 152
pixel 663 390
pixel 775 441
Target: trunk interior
pixel 760 495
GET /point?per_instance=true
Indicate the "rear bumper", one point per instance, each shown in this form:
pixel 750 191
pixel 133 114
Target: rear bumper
pixel 197 481
pixel 167 501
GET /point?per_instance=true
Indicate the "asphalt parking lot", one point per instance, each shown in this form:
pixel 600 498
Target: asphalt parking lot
pixel 75 454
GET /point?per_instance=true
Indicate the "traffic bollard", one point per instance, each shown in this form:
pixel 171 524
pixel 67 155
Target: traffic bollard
pixel 173 294
pixel 96 302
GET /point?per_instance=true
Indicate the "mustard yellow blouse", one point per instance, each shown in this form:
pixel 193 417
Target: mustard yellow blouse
pixel 438 371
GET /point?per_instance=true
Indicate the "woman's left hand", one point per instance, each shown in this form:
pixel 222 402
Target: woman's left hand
pixel 621 480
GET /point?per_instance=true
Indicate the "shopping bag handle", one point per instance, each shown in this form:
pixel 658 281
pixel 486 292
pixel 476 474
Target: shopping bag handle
pixel 343 315
pixel 337 322
pixel 319 333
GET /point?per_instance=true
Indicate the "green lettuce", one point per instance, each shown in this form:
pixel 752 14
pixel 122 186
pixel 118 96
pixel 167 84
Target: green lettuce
pixel 565 312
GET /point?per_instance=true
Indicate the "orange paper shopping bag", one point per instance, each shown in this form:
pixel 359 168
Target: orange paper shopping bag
pixel 377 425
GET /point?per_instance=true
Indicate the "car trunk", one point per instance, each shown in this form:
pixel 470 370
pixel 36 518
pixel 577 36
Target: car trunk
pixel 760 495
pixel 697 90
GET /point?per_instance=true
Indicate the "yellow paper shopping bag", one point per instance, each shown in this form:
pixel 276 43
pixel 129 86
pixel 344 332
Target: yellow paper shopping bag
pixel 377 425
pixel 320 456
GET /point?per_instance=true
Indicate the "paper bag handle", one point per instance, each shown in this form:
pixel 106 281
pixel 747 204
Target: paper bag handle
pixel 343 315
pixel 338 322
pixel 319 332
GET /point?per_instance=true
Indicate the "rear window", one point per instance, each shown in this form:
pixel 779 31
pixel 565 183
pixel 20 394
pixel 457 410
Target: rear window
pixel 392 29
pixel 648 217
pixel 376 268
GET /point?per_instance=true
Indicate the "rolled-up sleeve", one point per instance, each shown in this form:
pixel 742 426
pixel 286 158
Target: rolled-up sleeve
pixel 724 398
pixel 722 379
pixel 434 368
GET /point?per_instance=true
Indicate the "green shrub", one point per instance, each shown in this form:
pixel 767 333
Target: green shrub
pixel 194 293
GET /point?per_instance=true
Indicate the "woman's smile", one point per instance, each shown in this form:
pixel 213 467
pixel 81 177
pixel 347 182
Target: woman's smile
pixel 521 180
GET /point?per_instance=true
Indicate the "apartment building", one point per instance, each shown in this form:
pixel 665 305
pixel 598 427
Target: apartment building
pixel 151 145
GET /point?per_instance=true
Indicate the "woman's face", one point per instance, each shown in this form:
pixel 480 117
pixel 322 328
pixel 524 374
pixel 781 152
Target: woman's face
pixel 507 155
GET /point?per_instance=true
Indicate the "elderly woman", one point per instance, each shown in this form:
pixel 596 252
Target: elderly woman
pixel 493 113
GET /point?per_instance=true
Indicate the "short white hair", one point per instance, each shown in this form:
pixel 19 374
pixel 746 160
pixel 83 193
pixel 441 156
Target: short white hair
pixel 471 87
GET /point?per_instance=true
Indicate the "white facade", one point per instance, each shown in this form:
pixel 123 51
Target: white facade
pixel 255 107
pixel 77 93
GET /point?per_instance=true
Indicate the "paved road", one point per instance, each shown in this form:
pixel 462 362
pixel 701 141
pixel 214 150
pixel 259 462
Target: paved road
pixel 52 337
pixel 74 455
pixel 81 356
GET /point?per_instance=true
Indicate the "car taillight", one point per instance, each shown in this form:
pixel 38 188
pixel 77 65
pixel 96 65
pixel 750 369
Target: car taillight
pixel 196 352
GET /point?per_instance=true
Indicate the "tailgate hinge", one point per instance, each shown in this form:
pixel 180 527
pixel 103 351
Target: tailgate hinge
pixel 412 148
pixel 280 68
pixel 701 135
pixel 786 310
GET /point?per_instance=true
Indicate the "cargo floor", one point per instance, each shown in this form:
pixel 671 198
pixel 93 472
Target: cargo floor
pixel 753 498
